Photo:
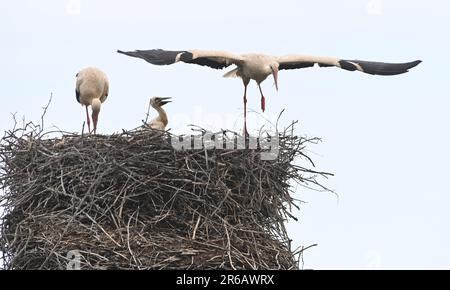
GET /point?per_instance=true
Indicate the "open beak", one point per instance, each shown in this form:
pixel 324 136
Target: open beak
pixel 275 77
pixel 163 101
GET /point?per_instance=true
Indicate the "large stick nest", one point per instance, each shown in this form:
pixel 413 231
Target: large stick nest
pixel 131 201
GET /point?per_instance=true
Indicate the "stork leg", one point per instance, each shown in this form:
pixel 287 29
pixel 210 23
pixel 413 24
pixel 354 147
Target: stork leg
pixel 95 125
pixel 94 121
pixel 263 100
pixel 88 120
pixel 245 110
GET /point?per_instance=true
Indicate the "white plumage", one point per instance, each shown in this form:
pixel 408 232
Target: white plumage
pixel 92 88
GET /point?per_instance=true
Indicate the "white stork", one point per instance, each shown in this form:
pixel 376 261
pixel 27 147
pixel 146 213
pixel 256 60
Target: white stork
pixel 161 121
pixel 92 88
pixel 258 67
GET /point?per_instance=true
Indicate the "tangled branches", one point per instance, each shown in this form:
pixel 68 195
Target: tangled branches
pixel 131 201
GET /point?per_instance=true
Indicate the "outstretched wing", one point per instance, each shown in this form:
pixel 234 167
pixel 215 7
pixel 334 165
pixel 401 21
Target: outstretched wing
pixel 370 67
pixel 213 59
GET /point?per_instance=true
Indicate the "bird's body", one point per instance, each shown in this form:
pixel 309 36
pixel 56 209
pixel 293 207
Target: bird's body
pixel 257 67
pixel 92 88
pixel 160 122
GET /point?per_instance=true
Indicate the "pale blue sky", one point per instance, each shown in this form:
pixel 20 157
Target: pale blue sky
pixel 385 138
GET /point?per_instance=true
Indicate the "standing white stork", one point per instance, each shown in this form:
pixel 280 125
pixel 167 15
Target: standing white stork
pixel 258 67
pixel 92 88
pixel 161 121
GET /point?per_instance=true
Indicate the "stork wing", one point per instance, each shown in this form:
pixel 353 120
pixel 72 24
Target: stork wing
pixel 213 59
pixel 370 67
pixel 77 88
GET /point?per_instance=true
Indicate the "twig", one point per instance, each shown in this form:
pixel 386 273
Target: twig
pixel 148 112
pixel 196 226
pixel 229 247
pixel 45 112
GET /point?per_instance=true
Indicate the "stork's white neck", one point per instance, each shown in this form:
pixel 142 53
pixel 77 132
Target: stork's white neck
pixel 162 115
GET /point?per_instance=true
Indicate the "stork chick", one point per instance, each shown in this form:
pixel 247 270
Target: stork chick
pixel 161 121
pixel 92 88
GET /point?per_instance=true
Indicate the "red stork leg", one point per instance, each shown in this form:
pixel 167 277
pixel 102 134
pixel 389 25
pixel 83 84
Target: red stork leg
pixel 88 120
pixel 263 100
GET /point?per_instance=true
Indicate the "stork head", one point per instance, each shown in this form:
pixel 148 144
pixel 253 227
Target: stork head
pixel 96 104
pixel 159 102
pixel 274 68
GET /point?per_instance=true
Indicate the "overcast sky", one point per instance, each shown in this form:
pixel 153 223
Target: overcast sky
pixel 385 138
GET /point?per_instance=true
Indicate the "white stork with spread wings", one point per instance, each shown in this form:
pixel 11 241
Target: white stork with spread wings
pixel 258 67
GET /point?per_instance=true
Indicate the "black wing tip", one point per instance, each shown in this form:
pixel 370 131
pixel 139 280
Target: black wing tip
pixel 134 52
pixel 138 50
pixel 379 68
pixel 154 56
pixel 408 65
pixel 415 63
pixel 129 53
pixel 405 67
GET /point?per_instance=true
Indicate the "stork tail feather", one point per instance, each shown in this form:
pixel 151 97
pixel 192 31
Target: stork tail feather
pixel 232 73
